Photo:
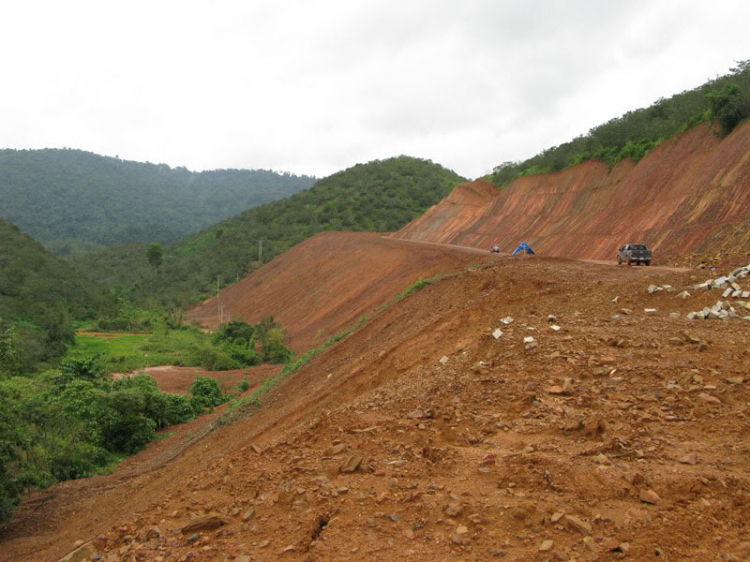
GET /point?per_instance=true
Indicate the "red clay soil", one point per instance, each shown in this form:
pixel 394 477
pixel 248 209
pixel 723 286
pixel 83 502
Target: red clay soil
pixel 423 437
pixel 691 195
pixel 178 380
pixel 324 285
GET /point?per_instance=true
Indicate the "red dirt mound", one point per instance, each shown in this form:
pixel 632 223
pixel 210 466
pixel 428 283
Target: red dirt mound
pixel 324 285
pixel 691 195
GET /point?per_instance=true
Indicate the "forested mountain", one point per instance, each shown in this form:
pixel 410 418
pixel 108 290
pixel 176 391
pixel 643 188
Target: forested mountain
pixel 377 196
pixel 63 196
pixel 40 296
pixel 725 101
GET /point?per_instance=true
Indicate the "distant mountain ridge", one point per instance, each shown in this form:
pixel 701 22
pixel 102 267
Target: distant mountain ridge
pixel 379 196
pixel 64 195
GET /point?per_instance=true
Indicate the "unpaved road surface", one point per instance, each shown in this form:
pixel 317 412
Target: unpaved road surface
pixel 615 439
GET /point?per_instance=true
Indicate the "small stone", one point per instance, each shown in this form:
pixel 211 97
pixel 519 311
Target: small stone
pixel 555 328
pixel 649 496
pixel 351 464
pixel 497 334
pixel 202 523
pixel 591 545
pixel 578 524
pixel 555 390
pixel 444 359
pixel 547 546
pixel 462 530
pixel 249 514
pixel 556 516
pixel 453 509
pixel 690 458
pixel 650 311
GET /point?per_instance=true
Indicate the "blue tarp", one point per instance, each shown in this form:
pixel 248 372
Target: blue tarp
pixel 523 247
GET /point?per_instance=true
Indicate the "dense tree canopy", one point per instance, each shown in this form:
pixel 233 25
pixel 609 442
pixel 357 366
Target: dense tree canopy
pixel 378 196
pixel 40 296
pixel 73 200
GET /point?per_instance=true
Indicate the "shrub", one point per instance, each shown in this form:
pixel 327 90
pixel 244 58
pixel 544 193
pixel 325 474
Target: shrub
pixel 207 390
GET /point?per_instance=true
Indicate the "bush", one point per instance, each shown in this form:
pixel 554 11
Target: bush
pixel 207 391
pixel 243 386
pixel 725 107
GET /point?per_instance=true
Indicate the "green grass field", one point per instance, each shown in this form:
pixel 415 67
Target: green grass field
pixel 130 352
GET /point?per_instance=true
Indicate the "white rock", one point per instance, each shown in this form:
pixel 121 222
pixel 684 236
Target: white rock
pixel 444 359
pixel 649 311
pixel 498 333
pixel 736 294
pixel 507 320
pixel 683 295
pixel 674 315
pixel 726 293
pixel 746 294
pixel 528 339
pixel 694 315
pixel 555 328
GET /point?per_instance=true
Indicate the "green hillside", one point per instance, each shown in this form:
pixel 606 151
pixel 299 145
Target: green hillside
pixel 382 196
pixel 40 297
pixel 724 101
pixel 72 200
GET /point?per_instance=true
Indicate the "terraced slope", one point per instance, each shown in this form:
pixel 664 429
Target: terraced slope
pixel 691 195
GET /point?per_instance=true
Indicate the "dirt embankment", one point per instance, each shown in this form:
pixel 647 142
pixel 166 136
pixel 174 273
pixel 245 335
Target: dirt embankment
pixel 610 439
pixel 691 195
pixel 324 285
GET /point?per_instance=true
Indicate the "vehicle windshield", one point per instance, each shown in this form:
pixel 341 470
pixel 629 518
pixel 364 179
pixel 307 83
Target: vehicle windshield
pixel 637 247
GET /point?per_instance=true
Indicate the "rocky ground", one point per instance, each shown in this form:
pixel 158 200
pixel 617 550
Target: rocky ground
pixel 526 409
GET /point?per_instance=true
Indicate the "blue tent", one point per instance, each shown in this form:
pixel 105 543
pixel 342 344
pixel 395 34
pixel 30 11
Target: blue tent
pixel 523 247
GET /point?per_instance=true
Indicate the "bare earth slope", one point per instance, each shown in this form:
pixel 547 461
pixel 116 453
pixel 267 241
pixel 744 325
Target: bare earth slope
pixel 324 285
pixel 613 438
pixel 690 195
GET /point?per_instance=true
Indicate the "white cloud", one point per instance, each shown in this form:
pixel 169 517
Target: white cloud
pixel 315 86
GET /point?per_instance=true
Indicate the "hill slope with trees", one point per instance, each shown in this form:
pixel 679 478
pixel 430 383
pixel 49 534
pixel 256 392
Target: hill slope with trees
pixel 72 200
pixel 380 196
pixel 724 101
pixel 40 297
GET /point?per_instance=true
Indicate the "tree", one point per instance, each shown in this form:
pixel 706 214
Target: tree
pixel 725 107
pixel 155 254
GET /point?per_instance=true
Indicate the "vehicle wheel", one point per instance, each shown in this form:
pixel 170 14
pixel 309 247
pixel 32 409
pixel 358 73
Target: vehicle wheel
pixel 629 264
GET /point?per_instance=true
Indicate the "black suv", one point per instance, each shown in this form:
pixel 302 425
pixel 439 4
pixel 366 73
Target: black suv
pixel 634 254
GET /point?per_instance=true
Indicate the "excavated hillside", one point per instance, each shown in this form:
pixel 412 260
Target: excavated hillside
pixel 324 285
pixel 691 195
pixel 438 431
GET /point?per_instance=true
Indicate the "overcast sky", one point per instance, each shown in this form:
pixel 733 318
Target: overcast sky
pixel 314 86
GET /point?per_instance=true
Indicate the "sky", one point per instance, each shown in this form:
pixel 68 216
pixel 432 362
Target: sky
pixel 314 86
